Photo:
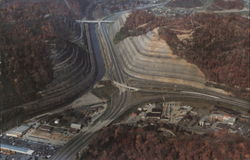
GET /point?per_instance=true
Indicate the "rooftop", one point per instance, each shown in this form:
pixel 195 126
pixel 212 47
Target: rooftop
pixel 16 149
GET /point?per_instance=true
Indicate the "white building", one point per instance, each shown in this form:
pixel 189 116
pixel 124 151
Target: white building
pixel 76 126
pixel 5 147
pixel 18 131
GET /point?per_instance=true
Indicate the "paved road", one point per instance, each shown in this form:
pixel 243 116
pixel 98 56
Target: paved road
pixel 119 105
pixel 181 90
pixel 112 112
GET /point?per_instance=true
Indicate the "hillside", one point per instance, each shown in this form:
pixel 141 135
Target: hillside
pixel 127 143
pixel 217 44
pixel 45 61
pixel 27 30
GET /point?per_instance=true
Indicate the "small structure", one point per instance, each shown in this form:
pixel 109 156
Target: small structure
pixel 153 115
pixel 57 121
pixel 76 126
pixel 157 110
pixel 18 131
pixel 45 128
pixel 15 149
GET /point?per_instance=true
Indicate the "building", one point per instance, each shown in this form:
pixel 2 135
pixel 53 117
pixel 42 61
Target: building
pixel 153 115
pixel 76 126
pixel 45 128
pixel 14 149
pixel 226 119
pixel 57 121
pixel 18 131
pixel 157 110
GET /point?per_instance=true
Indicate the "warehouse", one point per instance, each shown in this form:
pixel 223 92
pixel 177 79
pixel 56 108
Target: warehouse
pixel 15 149
pixel 18 131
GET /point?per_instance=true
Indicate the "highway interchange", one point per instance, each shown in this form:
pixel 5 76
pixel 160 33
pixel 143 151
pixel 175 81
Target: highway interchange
pixel 121 102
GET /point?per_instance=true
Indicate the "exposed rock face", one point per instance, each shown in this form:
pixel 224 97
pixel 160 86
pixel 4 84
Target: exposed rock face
pixel 217 44
pixel 125 143
pixel 45 60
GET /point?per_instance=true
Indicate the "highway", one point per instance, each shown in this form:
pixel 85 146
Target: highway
pixel 121 102
pixel 117 107
pixel 158 87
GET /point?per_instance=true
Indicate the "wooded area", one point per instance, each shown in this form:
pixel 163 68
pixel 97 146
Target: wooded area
pixel 28 32
pixel 124 142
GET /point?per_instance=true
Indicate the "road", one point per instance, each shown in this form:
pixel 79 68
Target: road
pixel 74 74
pixel 120 103
pixel 237 104
pixel 112 112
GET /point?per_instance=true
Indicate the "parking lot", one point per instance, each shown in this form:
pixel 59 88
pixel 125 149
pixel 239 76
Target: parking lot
pixel 42 150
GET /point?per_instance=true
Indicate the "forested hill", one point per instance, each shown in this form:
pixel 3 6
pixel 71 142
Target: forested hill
pixel 28 31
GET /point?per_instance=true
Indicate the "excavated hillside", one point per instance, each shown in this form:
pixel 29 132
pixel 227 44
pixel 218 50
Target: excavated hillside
pixel 45 59
pixel 129 143
pixel 217 45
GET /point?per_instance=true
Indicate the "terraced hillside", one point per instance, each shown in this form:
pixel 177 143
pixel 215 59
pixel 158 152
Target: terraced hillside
pixel 193 52
pixel 152 62
pixel 45 61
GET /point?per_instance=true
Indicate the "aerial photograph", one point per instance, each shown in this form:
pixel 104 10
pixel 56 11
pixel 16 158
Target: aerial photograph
pixel 125 79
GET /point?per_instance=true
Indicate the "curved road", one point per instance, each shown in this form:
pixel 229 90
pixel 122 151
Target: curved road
pixel 120 103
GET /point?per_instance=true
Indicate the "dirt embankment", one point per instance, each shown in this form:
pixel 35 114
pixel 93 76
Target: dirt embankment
pixel 28 32
pixel 126 143
pixel 217 44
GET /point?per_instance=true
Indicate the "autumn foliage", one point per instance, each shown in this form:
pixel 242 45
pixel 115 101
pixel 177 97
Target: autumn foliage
pixel 28 32
pixel 220 50
pixel 126 143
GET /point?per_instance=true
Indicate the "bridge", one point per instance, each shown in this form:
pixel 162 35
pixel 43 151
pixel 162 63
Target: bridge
pixel 94 21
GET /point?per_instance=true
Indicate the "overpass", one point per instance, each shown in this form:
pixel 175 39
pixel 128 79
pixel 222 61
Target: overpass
pixel 94 21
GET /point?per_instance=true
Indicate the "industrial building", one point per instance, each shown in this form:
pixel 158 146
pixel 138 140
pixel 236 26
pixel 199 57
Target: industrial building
pixel 18 131
pixel 76 126
pixel 14 149
pixel 226 119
